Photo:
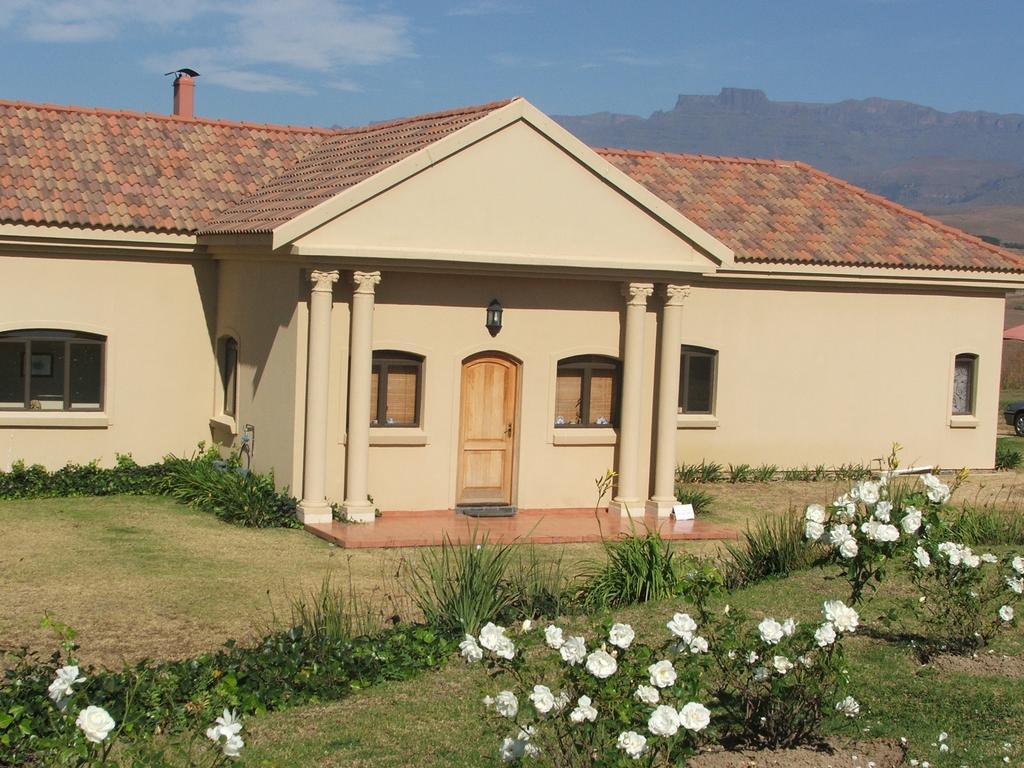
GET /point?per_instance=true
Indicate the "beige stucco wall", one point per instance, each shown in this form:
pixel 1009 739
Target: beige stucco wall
pixel 158 318
pixel 818 376
pixel 442 318
pixel 263 306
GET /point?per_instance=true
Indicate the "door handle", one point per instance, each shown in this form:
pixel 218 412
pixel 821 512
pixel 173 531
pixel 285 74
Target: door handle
pixel 508 430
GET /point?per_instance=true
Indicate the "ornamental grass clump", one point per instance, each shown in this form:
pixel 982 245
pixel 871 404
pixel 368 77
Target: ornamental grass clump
pixel 636 569
pixel 569 700
pixel 774 547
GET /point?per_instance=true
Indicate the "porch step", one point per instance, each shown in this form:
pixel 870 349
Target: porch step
pixel 497 510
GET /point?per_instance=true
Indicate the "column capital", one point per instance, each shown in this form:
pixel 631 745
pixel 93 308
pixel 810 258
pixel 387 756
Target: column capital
pixel 675 295
pixel 323 280
pixel 637 293
pixel 365 281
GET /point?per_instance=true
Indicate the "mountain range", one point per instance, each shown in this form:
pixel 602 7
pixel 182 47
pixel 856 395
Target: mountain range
pixel 965 168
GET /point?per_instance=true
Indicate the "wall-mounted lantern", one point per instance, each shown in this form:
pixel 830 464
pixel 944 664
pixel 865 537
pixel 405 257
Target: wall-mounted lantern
pixel 493 324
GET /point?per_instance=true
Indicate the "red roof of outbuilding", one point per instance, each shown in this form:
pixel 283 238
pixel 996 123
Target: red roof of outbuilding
pixel 70 166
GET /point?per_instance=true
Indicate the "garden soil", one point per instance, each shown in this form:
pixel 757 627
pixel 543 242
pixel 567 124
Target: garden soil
pixel 988 664
pixel 880 753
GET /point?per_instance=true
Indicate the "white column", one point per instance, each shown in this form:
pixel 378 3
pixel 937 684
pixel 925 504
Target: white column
pixel 628 500
pixel 664 497
pixel 314 508
pixel 357 507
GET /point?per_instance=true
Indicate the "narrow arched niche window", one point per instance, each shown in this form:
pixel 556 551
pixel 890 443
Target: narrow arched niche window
pixel 396 388
pixel 48 369
pixel 698 370
pixel 228 364
pixel 587 391
pixel 965 375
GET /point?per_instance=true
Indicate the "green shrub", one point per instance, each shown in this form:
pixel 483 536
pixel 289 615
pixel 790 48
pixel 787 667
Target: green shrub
pixel 774 547
pixel 333 613
pixel 459 588
pixel 1007 458
pixel 765 473
pixel 740 473
pixel 986 525
pixel 636 569
pixel 699 499
pixel 540 584
pixel 124 478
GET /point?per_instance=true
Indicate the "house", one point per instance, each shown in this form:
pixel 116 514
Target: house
pixel 472 308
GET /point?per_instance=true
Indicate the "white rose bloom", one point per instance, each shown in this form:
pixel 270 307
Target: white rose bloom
pixel 227 724
pixel 989 558
pixel 488 701
pixel 883 510
pixel 621 635
pixel 813 531
pixel 782 664
pixel 868 491
pixel 788 627
pixel 506 704
pixel 542 698
pixel 647 694
pixel 512 750
pixel 95 723
pixel 771 631
pixel 682 626
pixel 573 650
pixel 61 687
pixel 846 510
pixel 887 533
pixel 825 635
pixel 806 661
pixel 752 658
pixel 491 635
pixel 815 513
pixel 849 548
pixel 1006 613
pixel 953 552
pixel 843 618
pixel 870 528
pixel 601 664
pixel 838 534
pixel 694 716
pixel 469 650
pixel 505 649
pixel 553 637
pixel 761 674
pixel 848 707
pixel 1018 564
pixel 663 674
pixel 664 721
pixel 232 746
pixel 921 558
pixel 632 743
pixel 970 559
pixel 911 520
pixel 937 491
pixel 527 625
pixel 583 711
pixel 1015 585
pixel 698 645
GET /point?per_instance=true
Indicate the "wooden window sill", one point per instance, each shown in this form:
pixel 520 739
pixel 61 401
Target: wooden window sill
pixel 585 436
pixel 70 419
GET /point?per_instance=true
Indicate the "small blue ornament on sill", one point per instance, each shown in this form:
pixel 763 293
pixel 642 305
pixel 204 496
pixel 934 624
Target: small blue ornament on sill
pixel 559 421
pixel 602 421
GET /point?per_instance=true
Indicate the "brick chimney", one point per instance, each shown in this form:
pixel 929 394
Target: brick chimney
pixel 184 93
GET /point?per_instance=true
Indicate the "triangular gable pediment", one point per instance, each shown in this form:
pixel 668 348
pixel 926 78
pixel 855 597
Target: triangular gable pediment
pixel 513 188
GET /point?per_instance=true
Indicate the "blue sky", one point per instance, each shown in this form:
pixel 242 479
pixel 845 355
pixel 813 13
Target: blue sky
pixel 348 63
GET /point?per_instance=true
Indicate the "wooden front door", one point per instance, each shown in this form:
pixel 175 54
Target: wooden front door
pixel 487 429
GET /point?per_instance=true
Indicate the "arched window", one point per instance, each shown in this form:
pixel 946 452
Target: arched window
pixel 395 389
pixel 229 375
pixel 697 372
pixel 43 369
pixel 587 392
pixel 965 374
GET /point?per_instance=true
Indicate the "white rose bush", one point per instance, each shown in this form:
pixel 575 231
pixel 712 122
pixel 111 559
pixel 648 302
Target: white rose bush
pixel 601 699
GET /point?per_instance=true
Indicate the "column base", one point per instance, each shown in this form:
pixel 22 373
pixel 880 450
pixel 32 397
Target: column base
pixel 354 512
pixel 660 507
pixel 313 512
pixel 627 507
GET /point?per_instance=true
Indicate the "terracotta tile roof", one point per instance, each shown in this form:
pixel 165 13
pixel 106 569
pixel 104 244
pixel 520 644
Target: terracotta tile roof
pixel 339 162
pixel 788 212
pixel 70 166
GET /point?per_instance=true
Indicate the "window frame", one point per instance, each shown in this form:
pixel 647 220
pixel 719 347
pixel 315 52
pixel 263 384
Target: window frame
pixel 227 344
pixel 972 394
pixel 686 354
pixel 588 364
pixel 382 360
pixel 26 336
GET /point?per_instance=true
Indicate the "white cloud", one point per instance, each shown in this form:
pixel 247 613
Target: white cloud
pixel 297 36
pixel 344 84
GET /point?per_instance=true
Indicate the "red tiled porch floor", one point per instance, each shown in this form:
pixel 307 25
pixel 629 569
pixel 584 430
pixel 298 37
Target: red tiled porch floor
pixel 537 526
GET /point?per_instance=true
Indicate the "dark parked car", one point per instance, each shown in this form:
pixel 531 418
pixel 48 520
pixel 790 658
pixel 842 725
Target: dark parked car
pixel 1014 415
